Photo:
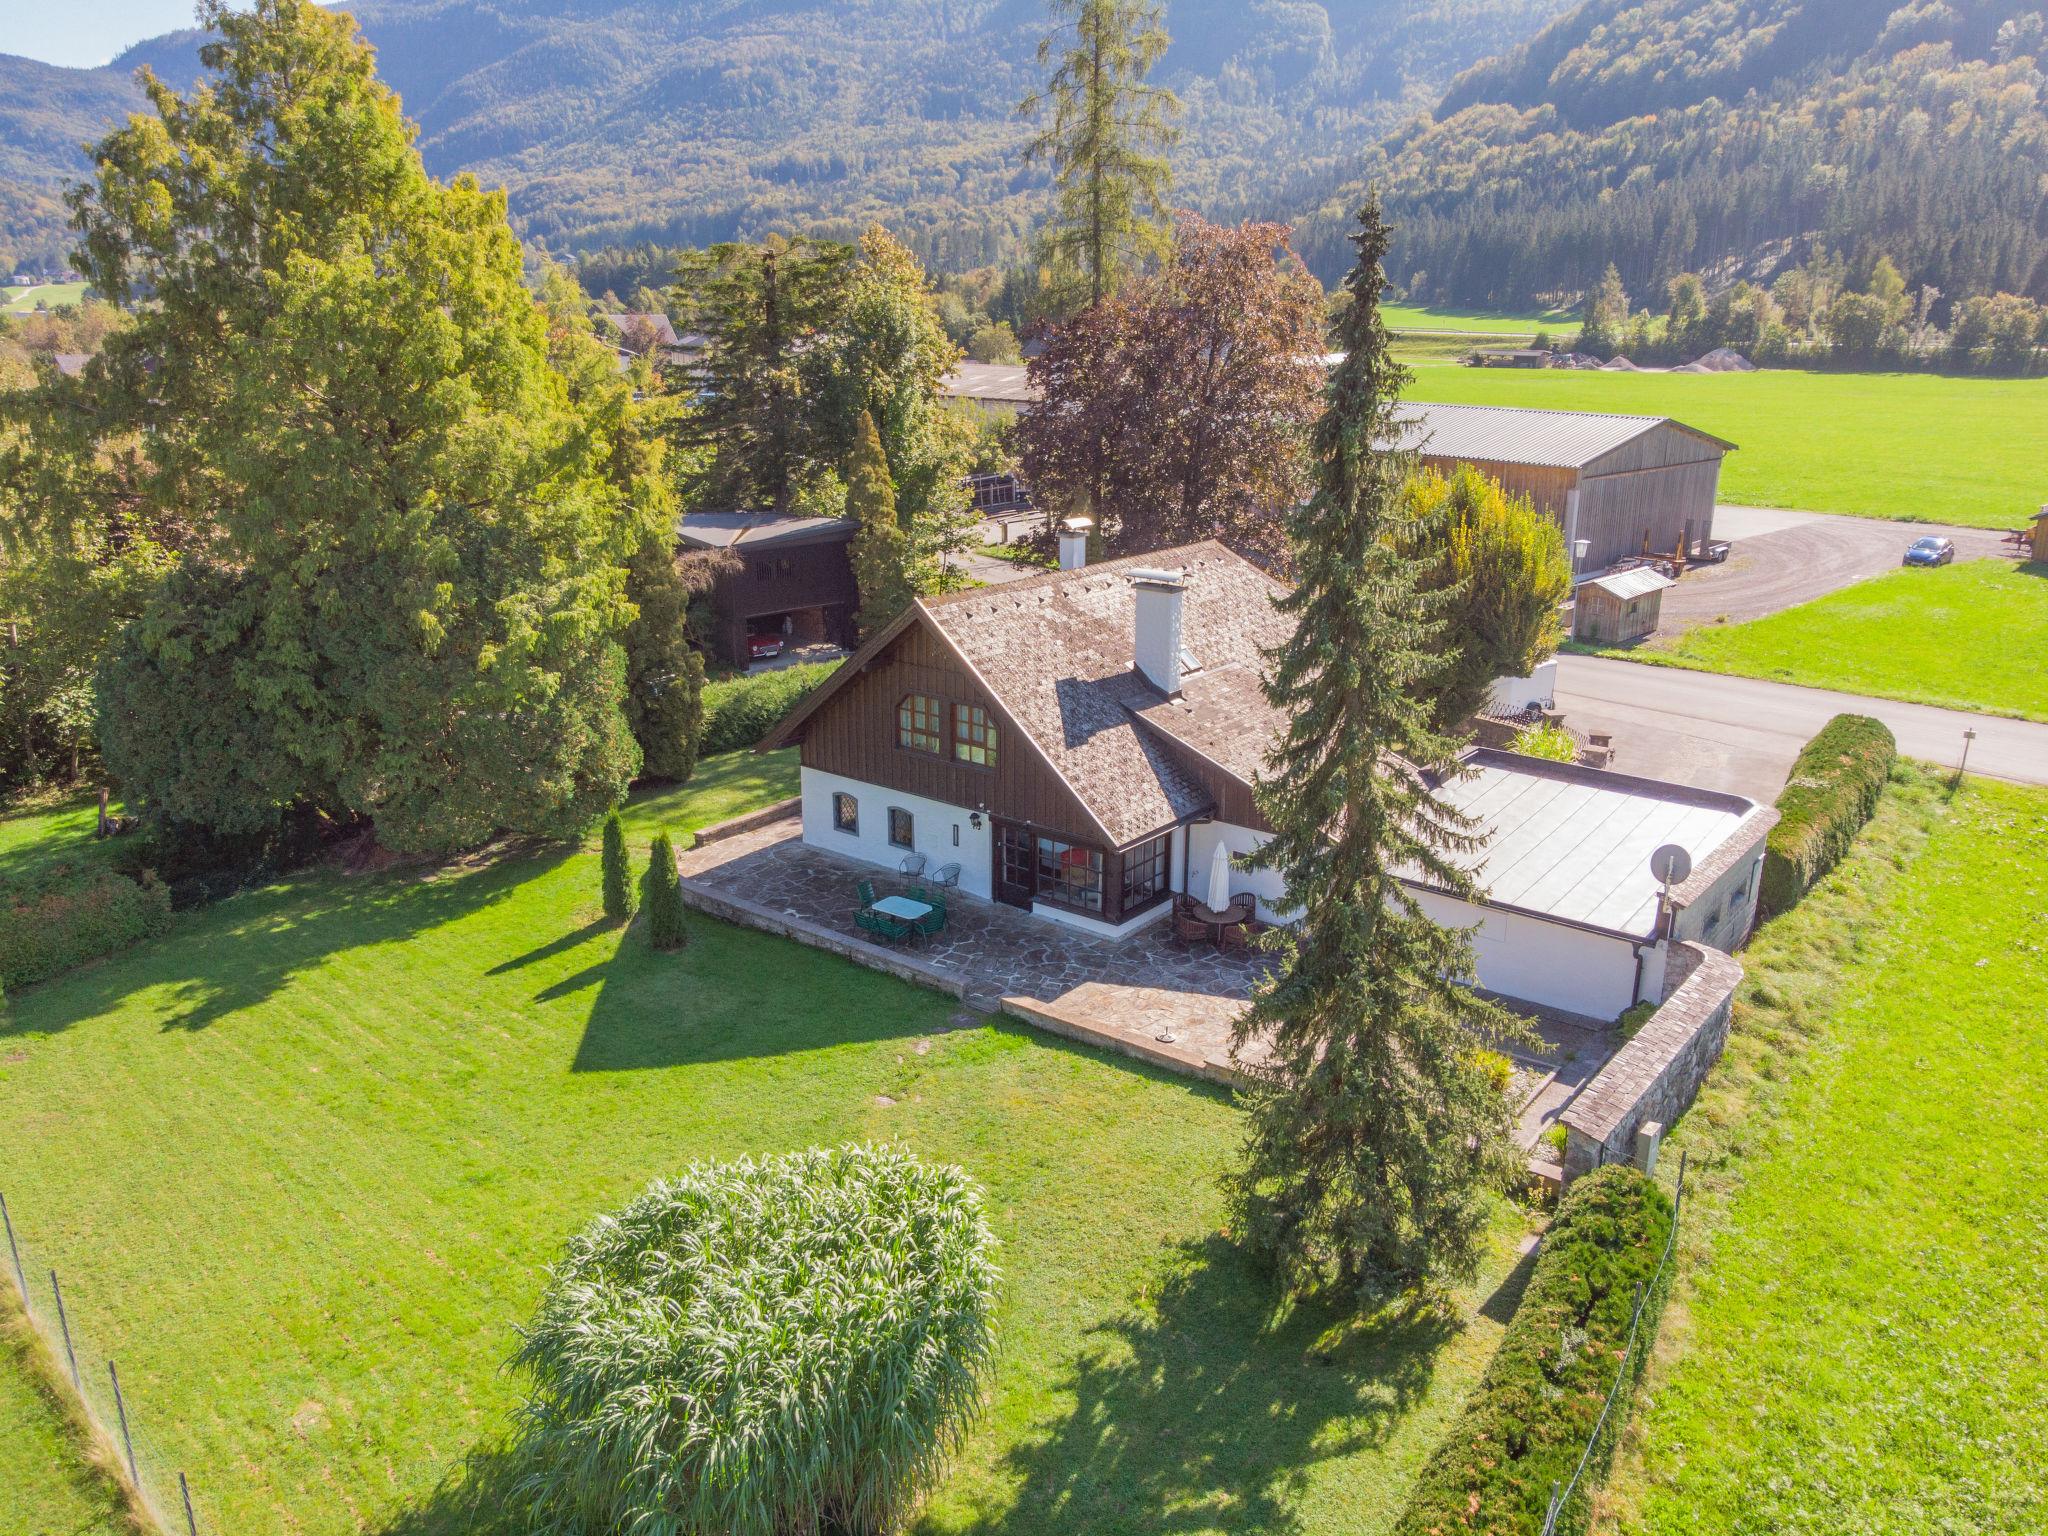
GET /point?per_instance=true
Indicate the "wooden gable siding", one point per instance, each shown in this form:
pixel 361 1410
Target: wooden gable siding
pixel 774 581
pixel 1545 487
pixel 853 733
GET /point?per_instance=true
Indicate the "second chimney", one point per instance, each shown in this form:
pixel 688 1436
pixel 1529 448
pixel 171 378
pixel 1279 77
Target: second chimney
pixel 1074 542
pixel 1156 642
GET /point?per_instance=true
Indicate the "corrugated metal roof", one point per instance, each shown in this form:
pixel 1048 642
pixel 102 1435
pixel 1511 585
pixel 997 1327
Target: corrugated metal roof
pixel 1640 582
pixel 727 530
pixel 1508 434
pixel 1576 843
pixel 997 383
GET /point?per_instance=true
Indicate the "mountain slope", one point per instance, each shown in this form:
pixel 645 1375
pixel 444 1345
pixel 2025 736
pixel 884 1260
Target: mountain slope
pixel 616 120
pixel 1725 136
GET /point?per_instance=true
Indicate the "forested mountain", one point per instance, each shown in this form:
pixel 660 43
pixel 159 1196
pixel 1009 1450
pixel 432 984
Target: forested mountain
pixel 1728 137
pixel 694 120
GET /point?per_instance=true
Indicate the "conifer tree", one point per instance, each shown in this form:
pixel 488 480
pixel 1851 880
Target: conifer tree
pixel 881 549
pixel 1374 1125
pixel 664 672
pixel 661 896
pixel 1106 139
pixel 618 882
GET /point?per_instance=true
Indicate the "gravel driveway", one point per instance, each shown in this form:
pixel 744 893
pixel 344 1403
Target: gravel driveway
pixel 1782 559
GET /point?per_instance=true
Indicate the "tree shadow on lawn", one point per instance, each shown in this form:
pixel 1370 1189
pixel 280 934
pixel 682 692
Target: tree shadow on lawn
pixel 734 993
pixel 242 951
pixel 1207 1410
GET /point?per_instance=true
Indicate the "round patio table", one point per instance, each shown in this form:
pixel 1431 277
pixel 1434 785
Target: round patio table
pixel 1231 916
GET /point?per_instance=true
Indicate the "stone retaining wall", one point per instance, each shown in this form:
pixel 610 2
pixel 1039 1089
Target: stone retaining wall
pixel 719 830
pixel 1656 1074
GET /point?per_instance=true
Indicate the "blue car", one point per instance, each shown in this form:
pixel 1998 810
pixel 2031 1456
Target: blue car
pixel 1930 551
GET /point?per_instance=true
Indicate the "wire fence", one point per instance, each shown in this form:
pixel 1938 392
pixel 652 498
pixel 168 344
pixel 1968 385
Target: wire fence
pixel 1571 1502
pixel 154 1484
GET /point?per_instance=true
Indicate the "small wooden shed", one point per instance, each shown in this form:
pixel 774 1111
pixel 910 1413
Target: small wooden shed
pixel 2041 535
pixel 1620 606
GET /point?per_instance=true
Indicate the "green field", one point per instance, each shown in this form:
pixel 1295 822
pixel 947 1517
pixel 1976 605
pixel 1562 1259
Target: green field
pixel 1478 322
pixel 302 1163
pixel 1969 636
pixel 1924 447
pixel 20 301
pixel 1858 1349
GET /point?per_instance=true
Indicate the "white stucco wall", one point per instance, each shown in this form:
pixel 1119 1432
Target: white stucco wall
pixel 933 824
pixel 1552 964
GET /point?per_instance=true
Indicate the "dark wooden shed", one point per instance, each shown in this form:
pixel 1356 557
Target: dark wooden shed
pixel 1620 607
pixel 793 577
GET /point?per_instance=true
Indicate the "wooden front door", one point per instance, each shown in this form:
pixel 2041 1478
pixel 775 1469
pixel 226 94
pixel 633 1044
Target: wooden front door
pixel 1016 862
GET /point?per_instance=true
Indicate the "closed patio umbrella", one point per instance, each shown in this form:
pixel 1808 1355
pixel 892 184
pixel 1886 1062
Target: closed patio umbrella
pixel 1219 879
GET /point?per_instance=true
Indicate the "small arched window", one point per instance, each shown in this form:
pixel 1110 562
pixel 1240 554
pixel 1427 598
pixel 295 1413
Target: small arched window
pixel 917 723
pixel 974 736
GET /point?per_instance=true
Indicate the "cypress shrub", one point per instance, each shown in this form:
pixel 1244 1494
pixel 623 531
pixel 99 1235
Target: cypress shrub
pixel 618 884
pixel 739 711
pixel 758 1348
pixel 52 924
pixel 1526 1425
pixel 1833 791
pixel 663 896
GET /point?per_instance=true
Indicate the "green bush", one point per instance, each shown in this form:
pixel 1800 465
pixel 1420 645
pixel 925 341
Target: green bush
pixel 739 711
pixel 760 1347
pixel 65 919
pixel 1832 792
pixel 1525 1426
pixel 1551 741
pixel 661 896
pixel 618 884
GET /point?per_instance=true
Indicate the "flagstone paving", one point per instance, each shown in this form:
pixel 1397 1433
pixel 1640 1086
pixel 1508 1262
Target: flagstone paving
pixel 1145 995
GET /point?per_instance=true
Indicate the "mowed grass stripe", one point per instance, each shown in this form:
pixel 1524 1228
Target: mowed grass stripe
pixel 1968 636
pixel 318 1145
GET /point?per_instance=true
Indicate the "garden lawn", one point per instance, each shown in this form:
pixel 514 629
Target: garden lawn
pixel 51 833
pixel 1858 1351
pixel 303 1162
pixel 1919 446
pixel 1968 636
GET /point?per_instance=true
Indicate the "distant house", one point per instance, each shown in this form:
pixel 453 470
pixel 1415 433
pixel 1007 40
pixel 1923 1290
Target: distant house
pixel 1511 357
pixel 651 334
pixel 1620 606
pixel 790 577
pixel 71 364
pixel 998 495
pixel 1627 485
pixel 1082 743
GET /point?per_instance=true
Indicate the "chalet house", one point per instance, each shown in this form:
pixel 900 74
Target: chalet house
pixel 790 578
pixel 1081 743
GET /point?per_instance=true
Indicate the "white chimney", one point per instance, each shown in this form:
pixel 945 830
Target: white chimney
pixel 1157 642
pixel 1074 542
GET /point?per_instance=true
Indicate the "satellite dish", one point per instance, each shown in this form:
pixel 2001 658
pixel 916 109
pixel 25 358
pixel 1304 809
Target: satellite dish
pixel 1671 864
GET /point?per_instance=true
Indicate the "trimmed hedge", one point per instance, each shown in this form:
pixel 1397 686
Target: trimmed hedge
pixel 1833 791
pixel 1527 1423
pixel 739 711
pixel 53 924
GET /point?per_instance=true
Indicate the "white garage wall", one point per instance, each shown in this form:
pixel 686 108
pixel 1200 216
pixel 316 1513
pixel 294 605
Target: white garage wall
pixel 933 824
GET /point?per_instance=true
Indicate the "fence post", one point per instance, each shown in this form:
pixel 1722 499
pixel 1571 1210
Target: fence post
pixel 1550 1514
pixel 20 1279
pixel 127 1440
pixel 185 1493
pixel 64 1323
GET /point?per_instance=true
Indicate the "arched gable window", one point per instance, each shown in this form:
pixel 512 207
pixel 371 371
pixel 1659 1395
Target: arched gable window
pixel 918 723
pixel 974 736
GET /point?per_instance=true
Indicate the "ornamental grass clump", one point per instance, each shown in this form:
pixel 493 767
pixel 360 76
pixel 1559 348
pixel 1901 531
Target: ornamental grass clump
pixel 789 1344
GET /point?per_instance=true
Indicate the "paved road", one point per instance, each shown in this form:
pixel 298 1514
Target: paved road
pixel 1740 734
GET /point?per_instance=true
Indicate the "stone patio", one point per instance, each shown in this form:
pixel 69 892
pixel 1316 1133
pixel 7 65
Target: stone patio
pixel 1143 995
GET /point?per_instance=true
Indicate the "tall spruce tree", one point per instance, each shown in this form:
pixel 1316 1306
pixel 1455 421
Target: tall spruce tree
pixel 403 588
pixel 1106 139
pixel 881 549
pixel 1374 1127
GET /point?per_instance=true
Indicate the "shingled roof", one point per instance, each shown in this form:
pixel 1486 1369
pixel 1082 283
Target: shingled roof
pixel 1057 653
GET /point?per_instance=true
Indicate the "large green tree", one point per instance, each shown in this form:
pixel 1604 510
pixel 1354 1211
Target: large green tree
pixel 1105 135
pixel 404 590
pixel 1373 1123
pixel 881 549
pixel 1500 570
pixel 763 309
